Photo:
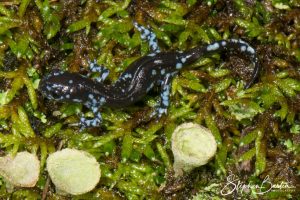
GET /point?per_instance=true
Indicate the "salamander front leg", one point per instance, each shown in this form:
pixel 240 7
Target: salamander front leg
pixel 149 36
pixel 95 122
pixel 94 105
pixel 164 97
pixel 103 71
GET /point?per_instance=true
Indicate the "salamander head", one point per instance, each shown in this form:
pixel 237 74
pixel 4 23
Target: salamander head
pixel 60 86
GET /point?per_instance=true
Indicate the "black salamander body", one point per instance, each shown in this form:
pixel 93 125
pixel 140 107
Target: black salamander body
pixel 157 68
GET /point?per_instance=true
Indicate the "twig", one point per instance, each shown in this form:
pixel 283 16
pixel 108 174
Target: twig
pixel 45 191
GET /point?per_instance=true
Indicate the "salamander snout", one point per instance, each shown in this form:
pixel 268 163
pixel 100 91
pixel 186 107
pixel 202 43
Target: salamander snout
pixel 52 87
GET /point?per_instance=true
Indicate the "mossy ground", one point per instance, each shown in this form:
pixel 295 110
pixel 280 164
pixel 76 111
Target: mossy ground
pixel 258 130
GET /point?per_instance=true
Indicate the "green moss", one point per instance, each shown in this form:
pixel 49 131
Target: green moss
pixel 134 151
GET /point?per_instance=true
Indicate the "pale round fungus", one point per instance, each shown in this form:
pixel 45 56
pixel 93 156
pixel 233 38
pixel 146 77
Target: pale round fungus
pixel 73 171
pixel 22 170
pixel 192 145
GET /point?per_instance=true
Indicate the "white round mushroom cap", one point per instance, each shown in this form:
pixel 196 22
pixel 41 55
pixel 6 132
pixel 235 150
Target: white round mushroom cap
pixel 22 170
pixel 192 145
pixel 73 171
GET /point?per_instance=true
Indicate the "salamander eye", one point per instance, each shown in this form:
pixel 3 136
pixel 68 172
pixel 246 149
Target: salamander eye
pixel 55 94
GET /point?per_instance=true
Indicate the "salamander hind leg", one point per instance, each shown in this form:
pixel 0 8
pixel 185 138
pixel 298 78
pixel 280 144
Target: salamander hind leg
pixel 162 108
pixel 149 36
pixel 95 68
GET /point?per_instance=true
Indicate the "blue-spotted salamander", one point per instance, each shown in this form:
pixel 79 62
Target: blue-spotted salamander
pixel 157 68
